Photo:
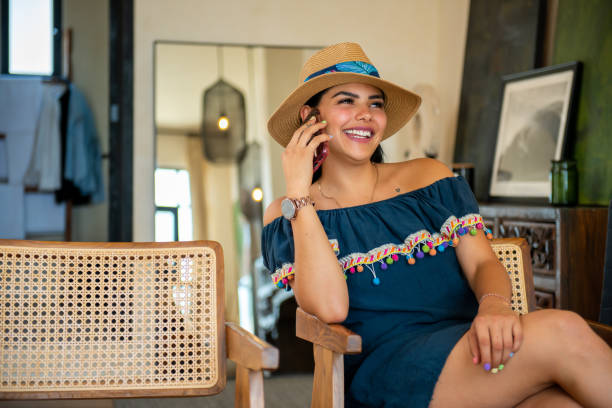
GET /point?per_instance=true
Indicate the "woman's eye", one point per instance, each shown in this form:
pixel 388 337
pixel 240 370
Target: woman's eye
pixel 345 100
pixel 378 105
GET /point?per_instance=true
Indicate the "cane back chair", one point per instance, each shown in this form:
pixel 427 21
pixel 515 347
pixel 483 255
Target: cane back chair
pixel 120 320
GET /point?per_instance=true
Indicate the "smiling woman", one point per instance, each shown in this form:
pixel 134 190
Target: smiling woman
pixel 398 253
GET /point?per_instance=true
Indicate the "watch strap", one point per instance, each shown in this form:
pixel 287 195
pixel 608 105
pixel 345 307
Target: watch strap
pixel 300 203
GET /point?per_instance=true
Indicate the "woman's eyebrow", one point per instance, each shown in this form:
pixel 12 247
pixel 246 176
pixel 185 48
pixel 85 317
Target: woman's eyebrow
pixel 352 95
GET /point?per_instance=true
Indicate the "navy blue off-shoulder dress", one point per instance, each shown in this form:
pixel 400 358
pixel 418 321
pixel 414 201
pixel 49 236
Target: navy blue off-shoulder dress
pixel 408 298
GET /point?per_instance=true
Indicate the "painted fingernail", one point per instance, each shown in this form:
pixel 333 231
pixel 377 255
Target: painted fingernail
pixel 330 136
pixel 312 118
pixel 494 370
pixel 323 121
pixel 501 367
pixel 487 367
pixel 475 360
pixel 511 354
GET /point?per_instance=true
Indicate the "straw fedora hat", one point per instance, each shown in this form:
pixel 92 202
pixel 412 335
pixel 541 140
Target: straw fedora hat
pixel 335 65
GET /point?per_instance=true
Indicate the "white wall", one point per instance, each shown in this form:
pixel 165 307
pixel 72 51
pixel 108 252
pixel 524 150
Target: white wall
pixel 282 66
pixel 409 42
pixel 452 31
pixel 172 151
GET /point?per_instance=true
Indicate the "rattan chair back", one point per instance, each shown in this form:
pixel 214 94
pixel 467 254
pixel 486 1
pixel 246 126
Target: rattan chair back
pixel 513 254
pixel 83 320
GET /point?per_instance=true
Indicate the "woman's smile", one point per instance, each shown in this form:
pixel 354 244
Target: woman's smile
pixel 359 134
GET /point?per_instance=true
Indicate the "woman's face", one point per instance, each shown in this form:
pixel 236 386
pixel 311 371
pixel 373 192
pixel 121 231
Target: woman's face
pixel 355 117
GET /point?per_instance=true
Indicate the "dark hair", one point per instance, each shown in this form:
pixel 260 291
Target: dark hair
pixel 377 157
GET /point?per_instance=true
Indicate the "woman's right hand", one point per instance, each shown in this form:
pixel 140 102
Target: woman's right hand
pixel 298 156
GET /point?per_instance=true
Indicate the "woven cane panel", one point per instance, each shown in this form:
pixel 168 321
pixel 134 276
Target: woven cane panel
pixel 90 319
pixel 511 257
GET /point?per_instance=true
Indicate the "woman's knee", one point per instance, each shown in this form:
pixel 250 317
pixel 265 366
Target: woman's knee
pixel 570 324
pixel 567 332
pixel 561 324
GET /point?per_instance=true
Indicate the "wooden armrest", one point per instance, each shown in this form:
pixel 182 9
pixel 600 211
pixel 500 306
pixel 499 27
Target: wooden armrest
pixel 249 350
pixel 334 337
pixel 603 330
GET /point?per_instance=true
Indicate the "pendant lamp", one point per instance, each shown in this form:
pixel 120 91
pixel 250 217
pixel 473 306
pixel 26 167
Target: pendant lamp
pixel 223 119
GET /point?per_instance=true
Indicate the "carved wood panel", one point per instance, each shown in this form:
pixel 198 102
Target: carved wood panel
pixel 541 239
pixel 567 250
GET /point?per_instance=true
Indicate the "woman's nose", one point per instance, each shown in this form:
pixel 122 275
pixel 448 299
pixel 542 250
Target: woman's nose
pixel 364 114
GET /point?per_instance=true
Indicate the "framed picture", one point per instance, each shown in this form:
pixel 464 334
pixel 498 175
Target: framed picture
pixel 537 110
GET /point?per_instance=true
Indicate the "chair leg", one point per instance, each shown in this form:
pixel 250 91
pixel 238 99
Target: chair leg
pixel 328 386
pixel 249 388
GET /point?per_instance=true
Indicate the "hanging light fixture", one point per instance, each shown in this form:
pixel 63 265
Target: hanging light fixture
pixel 223 119
pixel 223 122
pixel 257 194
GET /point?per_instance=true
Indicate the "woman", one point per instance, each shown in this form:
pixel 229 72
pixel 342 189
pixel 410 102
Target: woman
pixel 385 249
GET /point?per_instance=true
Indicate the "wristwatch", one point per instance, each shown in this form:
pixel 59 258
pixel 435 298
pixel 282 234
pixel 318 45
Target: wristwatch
pixel 291 206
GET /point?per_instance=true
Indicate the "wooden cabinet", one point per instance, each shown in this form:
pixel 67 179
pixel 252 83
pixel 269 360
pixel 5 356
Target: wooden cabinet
pixel 567 251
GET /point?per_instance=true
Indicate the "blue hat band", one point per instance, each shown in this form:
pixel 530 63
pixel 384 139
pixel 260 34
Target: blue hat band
pixel 356 67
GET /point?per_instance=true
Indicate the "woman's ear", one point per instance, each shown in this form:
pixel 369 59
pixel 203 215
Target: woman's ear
pixel 304 111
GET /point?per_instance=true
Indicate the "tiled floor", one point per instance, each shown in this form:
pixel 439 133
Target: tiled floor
pixel 281 391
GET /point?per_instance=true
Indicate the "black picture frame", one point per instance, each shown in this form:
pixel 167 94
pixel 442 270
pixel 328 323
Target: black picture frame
pixel 536 121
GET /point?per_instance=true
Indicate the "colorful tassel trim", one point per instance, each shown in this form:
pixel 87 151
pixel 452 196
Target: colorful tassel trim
pixel 415 247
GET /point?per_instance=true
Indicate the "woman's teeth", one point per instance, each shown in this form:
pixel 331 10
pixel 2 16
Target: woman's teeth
pixel 359 134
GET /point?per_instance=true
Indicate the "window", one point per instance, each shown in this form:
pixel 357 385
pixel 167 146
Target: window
pixel 173 218
pixel 31 37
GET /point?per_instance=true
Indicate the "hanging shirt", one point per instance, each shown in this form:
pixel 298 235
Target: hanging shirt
pixel 83 160
pixel 44 170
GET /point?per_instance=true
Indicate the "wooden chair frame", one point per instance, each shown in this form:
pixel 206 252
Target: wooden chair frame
pixel 251 354
pixel 332 341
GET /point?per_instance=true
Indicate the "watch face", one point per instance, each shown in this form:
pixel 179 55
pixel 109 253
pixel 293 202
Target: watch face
pixel 287 208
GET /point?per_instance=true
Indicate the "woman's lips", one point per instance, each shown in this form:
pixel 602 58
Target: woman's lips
pixel 359 135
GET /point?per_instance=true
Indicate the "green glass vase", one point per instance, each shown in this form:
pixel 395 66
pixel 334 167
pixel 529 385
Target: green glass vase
pixel 563 180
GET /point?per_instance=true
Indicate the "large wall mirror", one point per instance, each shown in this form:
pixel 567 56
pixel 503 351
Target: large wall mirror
pixel 216 168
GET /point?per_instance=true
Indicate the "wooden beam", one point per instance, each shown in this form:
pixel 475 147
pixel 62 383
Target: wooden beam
pixel 328 384
pixel 249 351
pixel 249 388
pixel 334 337
pixel 603 330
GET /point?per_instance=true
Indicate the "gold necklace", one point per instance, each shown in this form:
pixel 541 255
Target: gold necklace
pixel 336 201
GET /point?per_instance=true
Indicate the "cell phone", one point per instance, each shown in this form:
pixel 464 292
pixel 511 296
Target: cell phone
pixel 322 150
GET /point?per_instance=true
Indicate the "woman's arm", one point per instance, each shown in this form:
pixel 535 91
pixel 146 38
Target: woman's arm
pixel 319 284
pixel 496 331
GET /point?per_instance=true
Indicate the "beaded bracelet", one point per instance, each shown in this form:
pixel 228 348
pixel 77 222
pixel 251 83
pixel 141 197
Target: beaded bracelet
pixel 496 295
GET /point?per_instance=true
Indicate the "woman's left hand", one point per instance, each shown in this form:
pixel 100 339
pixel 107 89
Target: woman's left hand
pixel 496 332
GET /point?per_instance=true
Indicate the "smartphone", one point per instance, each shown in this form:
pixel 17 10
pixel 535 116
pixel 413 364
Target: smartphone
pixel 322 150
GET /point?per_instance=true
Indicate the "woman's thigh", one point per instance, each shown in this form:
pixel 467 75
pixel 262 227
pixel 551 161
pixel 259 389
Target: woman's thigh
pixel 529 371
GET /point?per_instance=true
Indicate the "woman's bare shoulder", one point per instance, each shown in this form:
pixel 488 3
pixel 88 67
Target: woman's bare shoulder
pixel 434 168
pixel 273 211
pixel 418 173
